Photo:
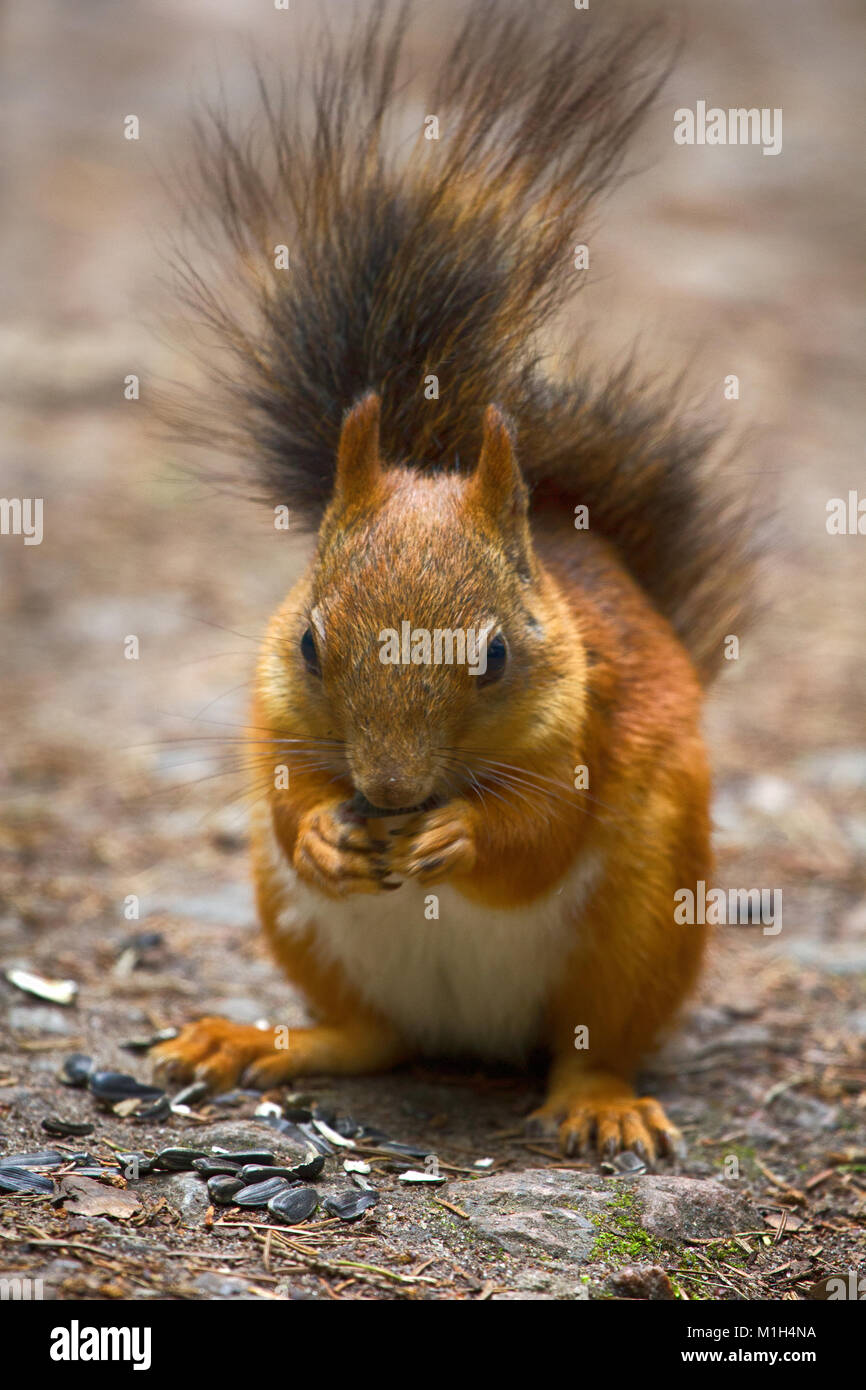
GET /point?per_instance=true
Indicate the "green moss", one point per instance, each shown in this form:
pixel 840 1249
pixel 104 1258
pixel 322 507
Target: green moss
pixel 620 1236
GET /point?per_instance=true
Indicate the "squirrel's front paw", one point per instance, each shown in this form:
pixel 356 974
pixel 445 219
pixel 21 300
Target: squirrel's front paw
pixel 335 853
pixel 441 845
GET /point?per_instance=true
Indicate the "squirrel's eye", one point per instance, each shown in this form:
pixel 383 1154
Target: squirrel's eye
pixel 497 660
pixel 309 653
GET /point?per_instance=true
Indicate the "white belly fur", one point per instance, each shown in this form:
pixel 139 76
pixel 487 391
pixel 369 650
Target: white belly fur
pixel 475 981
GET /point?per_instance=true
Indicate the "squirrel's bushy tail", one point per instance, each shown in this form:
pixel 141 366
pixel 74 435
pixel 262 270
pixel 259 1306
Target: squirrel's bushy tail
pixel 413 257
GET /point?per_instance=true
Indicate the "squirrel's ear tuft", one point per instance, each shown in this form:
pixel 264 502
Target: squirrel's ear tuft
pixel 358 465
pixel 497 485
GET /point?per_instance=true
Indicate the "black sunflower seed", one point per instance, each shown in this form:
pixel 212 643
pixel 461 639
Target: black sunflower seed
pixel 350 1205
pixel 242 1156
pixel 294 1205
pixel 22 1180
pixel 298 1114
pixel 112 1086
pixel 392 1147
pixel 310 1168
pixel 56 1125
pixel 222 1188
pixel 158 1109
pixel 145 1044
pixel 179 1160
pixel 192 1093
pixel 258 1194
pixel 318 1141
pixel 42 1158
pixel 76 1069
pixel 211 1167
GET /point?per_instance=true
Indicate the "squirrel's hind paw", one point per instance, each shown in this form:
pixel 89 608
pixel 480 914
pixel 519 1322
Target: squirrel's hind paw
pixel 608 1127
pixel 213 1050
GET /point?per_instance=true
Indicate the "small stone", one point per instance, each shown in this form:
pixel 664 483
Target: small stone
pixel 187 1194
pixel 642 1281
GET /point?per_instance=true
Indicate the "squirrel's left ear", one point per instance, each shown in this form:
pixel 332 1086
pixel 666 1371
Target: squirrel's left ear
pixel 497 485
pixel 358 465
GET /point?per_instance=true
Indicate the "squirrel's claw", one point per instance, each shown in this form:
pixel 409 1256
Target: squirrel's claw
pixel 336 854
pixel 607 1127
pixel 443 845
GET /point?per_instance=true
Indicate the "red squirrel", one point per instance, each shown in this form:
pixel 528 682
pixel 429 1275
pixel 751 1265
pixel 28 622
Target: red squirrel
pixel 474 859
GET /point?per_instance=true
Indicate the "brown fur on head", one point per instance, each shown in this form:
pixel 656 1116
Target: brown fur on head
pixel 443 552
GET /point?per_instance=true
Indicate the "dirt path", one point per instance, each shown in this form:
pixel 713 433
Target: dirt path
pixel 119 772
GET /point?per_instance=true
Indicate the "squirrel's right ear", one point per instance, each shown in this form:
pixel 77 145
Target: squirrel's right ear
pixel 497 483
pixel 358 466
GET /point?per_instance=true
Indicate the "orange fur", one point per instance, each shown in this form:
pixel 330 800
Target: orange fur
pixel 606 685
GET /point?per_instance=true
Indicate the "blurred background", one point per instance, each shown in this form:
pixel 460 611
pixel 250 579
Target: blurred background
pixel 114 769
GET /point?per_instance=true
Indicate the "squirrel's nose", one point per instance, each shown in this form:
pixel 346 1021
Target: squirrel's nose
pixel 393 791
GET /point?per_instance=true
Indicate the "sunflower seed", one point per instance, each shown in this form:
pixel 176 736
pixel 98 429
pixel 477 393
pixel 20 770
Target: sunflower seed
pixel 355 1165
pixel 332 1136
pixel 266 1109
pixel 56 991
pixel 258 1194
pixel 254 1172
pixel 42 1158
pixel 190 1094
pixel 113 1086
pixel 307 1133
pixel 242 1156
pixel 628 1163
pixel 145 1044
pixel 294 1205
pixel 179 1160
pixel 22 1180
pixel 76 1069
pixel 415 1175
pixel 350 1205
pixel 298 1114
pixel 158 1109
pixel 222 1188
pixel 56 1125
pixel 216 1167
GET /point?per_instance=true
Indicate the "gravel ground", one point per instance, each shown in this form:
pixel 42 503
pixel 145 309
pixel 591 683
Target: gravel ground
pixel 120 774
